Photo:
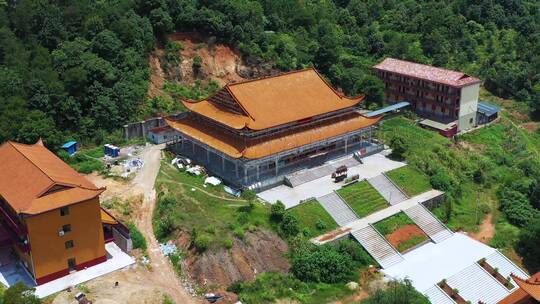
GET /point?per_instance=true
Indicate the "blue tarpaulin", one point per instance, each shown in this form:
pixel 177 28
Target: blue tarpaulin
pixel 393 107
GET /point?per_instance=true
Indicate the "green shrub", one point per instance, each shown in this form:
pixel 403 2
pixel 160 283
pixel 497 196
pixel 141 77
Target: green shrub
pixel 398 146
pixel 19 293
pixel 484 208
pixel 249 195
pixel 176 259
pixel 211 229
pixel 228 243
pixel 90 166
pixel 320 225
pixel 357 253
pixel 165 227
pixel 202 242
pixel 277 211
pixel 324 264
pixel 289 226
pixel 239 232
pixel 137 237
pixel 167 300
pixel 243 218
pixel 528 248
pixel 397 292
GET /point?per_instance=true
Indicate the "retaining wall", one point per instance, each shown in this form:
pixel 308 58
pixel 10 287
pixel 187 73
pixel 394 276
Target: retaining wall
pixel 140 129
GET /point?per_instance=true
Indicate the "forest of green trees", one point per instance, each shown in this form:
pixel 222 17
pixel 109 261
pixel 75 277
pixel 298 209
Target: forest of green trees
pixel 79 69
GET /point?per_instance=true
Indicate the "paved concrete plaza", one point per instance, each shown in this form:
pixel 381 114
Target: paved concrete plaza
pixel 372 166
pixel 116 259
pixel 12 272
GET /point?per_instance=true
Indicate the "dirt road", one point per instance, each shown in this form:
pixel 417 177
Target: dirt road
pixel 486 230
pixel 162 272
pixel 138 284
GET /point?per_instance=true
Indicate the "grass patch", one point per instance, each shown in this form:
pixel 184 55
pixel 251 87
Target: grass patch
pixel 84 161
pixel 269 287
pixel 410 180
pixel 410 243
pixel 137 237
pixel 362 198
pixel 313 219
pixel 393 223
pixel 208 213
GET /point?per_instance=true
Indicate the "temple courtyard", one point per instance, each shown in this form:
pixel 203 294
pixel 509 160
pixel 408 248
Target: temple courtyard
pixel 371 166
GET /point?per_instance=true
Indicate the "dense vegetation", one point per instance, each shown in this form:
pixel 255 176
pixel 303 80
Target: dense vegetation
pixel 78 69
pixel 493 169
pixel 70 69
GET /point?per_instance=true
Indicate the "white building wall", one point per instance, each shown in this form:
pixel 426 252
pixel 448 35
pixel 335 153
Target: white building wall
pixel 468 107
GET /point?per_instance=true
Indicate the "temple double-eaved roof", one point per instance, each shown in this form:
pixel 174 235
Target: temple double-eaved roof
pixel 237 147
pixel 272 101
pixel 53 184
pixel 427 72
pixel 298 97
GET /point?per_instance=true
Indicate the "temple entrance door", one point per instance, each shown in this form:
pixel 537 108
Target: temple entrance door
pixel 72 265
pixel 317 160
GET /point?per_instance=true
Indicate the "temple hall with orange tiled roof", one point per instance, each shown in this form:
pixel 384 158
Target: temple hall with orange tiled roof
pixel 253 133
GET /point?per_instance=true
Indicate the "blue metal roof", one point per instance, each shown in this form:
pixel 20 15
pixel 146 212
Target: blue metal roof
pixel 487 108
pixel 69 144
pixel 393 107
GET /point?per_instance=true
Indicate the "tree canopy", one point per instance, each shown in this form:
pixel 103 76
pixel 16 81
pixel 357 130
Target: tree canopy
pixel 79 68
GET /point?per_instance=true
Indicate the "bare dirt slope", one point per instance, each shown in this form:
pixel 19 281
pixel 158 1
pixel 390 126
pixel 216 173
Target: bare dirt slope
pixel 260 251
pixel 220 63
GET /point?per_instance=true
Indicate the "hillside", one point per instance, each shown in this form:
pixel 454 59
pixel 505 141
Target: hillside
pixel 79 70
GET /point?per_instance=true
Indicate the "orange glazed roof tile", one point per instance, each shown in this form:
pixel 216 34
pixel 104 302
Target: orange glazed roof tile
pixel 426 72
pixel 106 218
pixel 275 100
pixel 34 180
pixel 528 289
pixel 253 149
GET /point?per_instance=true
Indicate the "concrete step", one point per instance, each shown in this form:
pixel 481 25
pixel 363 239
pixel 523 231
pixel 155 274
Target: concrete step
pixel 431 226
pixel 308 175
pixel 387 189
pixel 337 208
pixel 377 246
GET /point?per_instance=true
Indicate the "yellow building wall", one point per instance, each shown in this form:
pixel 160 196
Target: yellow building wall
pixel 48 251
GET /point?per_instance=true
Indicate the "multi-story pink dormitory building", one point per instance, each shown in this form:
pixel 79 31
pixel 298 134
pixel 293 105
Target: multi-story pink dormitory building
pixel 448 100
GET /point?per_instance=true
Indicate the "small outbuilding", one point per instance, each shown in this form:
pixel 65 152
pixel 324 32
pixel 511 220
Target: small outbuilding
pixel 486 113
pixel 70 147
pixel 161 135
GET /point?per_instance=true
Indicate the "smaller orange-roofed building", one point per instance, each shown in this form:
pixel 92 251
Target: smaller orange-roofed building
pixel 528 292
pixel 50 215
pixel 254 133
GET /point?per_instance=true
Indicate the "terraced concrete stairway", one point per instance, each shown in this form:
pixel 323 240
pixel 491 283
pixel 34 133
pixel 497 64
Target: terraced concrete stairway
pixel 387 189
pixel 422 217
pixel 337 208
pixel 377 246
pixel 308 175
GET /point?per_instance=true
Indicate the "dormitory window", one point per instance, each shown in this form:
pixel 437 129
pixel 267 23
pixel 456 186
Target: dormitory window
pixel 66 228
pixel 69 244
pixel 64 211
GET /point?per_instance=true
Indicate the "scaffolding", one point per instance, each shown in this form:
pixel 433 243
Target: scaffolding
pixel 266 172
